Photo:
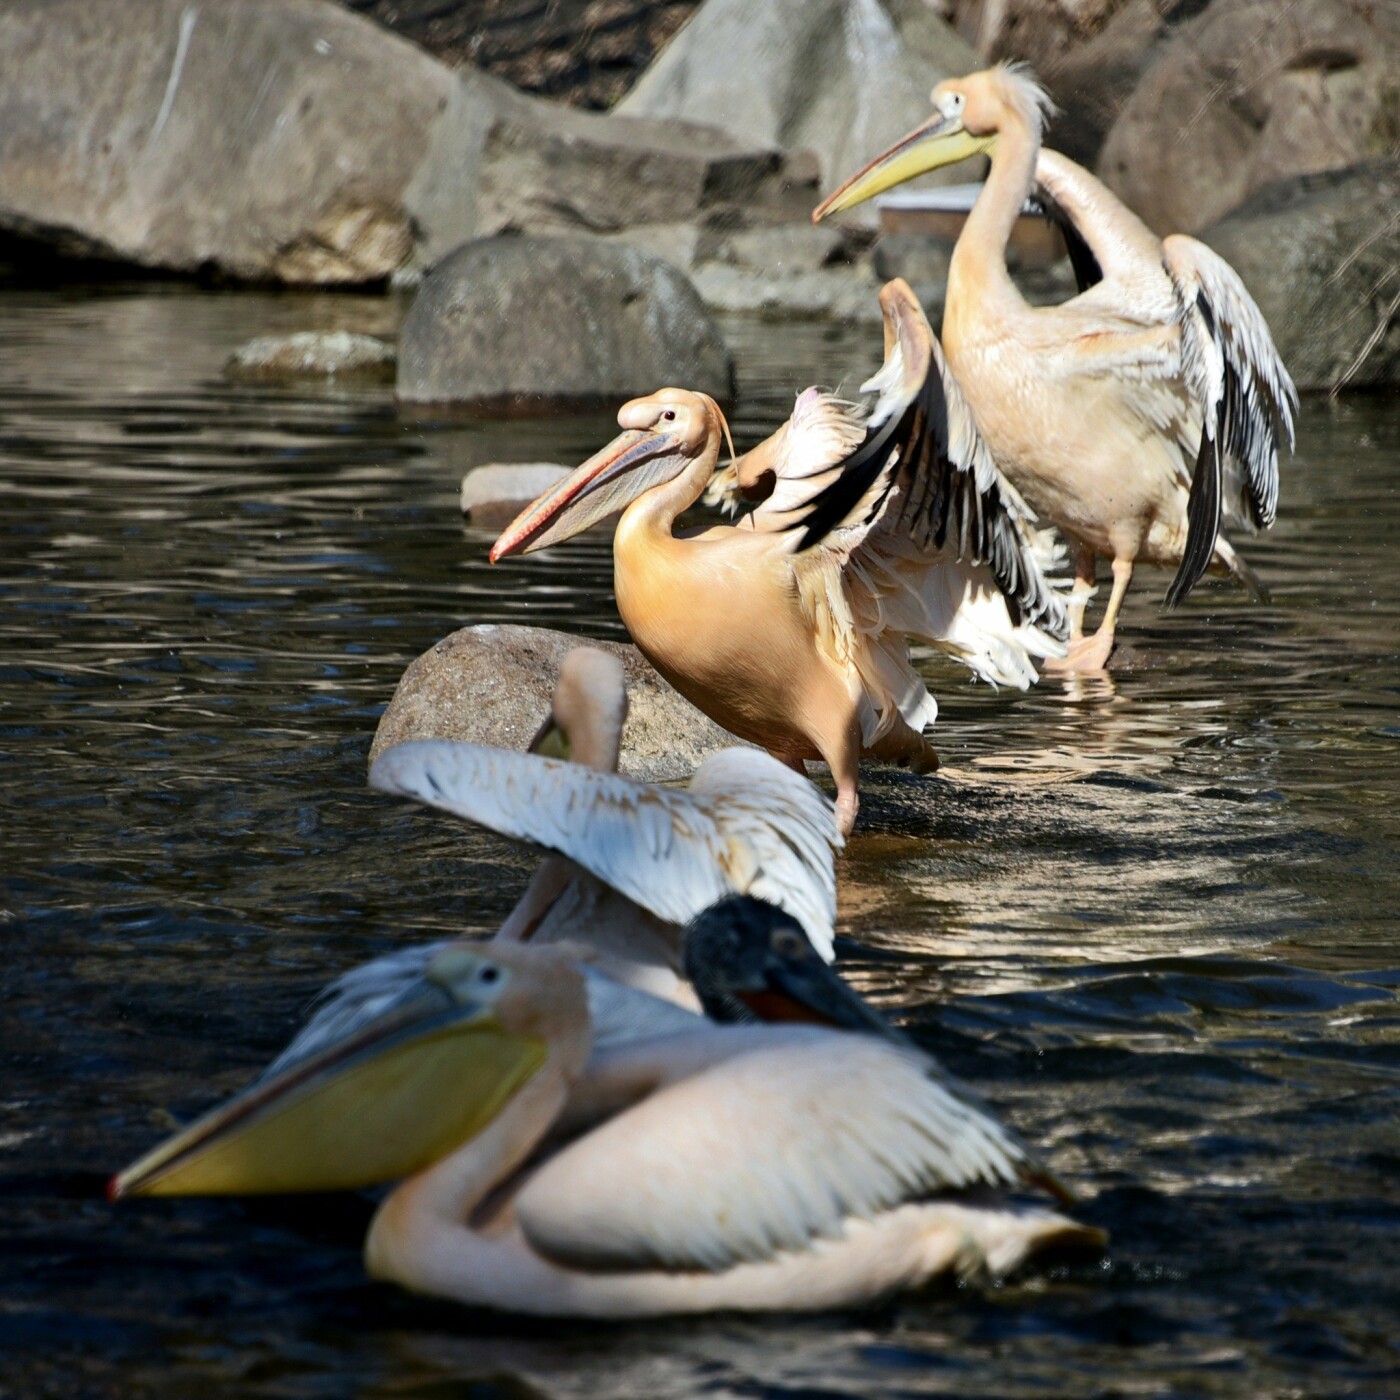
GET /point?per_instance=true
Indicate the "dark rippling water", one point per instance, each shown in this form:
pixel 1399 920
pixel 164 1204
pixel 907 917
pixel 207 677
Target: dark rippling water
pixel 1153 918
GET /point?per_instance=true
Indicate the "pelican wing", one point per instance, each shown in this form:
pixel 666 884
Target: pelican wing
pixel 1246 396
pixel 793 1131
pixel 747 824
pixel 923 472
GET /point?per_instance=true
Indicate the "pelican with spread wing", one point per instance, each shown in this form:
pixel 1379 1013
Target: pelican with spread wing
pixel 1139 415
pixel 559 1164
pixel 792 628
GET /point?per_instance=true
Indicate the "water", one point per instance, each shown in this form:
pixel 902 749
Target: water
pixel 1154 919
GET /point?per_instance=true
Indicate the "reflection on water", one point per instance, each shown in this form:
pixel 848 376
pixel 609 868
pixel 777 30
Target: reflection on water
pixel 1153 917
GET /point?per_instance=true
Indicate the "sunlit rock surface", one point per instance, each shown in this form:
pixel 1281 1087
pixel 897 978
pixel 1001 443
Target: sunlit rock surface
pixel 313 355
pixel 1319 255
pixel 493 685
pixel 1253 91
pixel 524 322
pixel 843 78
pixel 494 494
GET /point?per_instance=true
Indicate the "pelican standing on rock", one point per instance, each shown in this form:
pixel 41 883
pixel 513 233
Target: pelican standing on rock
pixel 1134 416
pixel 709 1167
pixel 792 628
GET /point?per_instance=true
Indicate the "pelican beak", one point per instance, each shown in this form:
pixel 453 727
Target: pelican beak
pixel 630 465
pixel 940 141
pixel 806 989
pixel 551 740
pixel 423 1077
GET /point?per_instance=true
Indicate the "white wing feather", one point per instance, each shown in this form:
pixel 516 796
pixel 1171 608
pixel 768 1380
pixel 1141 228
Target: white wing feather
pixel 793 1133
pixel 747 825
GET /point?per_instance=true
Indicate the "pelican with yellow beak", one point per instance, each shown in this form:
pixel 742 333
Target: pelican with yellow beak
pixel 558 1168
pixel 792 628
pixel 1139 415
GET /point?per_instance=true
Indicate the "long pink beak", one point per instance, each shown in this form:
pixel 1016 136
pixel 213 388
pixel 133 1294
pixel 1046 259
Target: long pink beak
pixel 610 480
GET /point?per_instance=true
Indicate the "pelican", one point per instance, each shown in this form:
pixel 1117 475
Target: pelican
pixel 628 863
pixel 792 628
pixel 1136 415
pixel 557 1172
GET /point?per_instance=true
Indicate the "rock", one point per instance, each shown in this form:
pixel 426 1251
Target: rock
pixel 492 685
pixel 313 355
pixel 843 293
pixel 270 139
pixel 1249 92
pixel 534 322
pixel 1319 253
pixel 793 248
pixel 921 259
pixel 843 78
pixel 581 51
pixel 293 141
pixel 494 494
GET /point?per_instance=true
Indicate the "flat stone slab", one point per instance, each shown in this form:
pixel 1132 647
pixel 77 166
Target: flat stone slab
pixel 314 355
pixel 492 684
pixel 494 494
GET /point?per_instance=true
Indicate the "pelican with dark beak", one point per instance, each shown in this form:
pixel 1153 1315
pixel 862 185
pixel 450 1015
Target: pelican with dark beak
pixel 1139 416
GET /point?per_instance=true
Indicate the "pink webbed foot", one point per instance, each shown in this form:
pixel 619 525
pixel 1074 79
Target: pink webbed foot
pixel 1085 655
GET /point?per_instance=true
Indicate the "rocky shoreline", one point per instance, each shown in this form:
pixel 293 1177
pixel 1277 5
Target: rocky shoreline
pixel 299 142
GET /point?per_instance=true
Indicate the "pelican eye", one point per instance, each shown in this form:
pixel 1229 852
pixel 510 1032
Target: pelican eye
pixel 669 416
pixel 488 975
pixel 788 945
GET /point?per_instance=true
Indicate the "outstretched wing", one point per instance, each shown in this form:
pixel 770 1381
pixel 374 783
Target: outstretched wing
pixel 922 471
pixel 673 852
pixel 794 1131
pixel 1247 400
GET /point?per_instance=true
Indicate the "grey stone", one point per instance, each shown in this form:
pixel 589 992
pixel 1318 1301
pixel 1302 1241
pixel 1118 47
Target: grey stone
pixel 313 355
pixel 847 293
pixel 921 259
pixel 496 492
pixel 492 685
pixel 1319 255
pixel 843 78
pixel 793 248
pixel 270 139
pixel 1251 91
pixel 535 322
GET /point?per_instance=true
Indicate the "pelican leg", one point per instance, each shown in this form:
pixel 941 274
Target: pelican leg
pixel 842 755
pixel 1086 572
pixel 798 765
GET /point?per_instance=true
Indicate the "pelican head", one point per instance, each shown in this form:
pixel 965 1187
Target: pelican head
pixel 967 115
pixel 589 708
pixel 663 434
pixel 394 1096
pixel 751 961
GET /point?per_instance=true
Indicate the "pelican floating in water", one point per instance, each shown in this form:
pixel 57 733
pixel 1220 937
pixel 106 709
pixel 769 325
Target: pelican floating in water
pixel 559 1171
pixel 1134 416
pixel 792 629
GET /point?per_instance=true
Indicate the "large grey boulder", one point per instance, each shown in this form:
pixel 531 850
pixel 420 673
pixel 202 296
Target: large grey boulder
pixel 293 141
pixel 536 322
pixel 1253 91
pixel 270 139
pixel 493 685
pixel 1319 255
pixel 843 78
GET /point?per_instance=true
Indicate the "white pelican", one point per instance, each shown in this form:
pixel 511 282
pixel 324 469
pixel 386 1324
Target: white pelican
pixel 705 1168
pixel 1134 415
pixel 792 629
pixel 629 863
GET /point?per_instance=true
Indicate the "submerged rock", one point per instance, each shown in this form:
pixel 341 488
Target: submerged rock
pixel 843 78
pixel 535 322
pixel 1319 256
pixel 313 355
pixel 494 494
pixel 493 685
pixel 1250 92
